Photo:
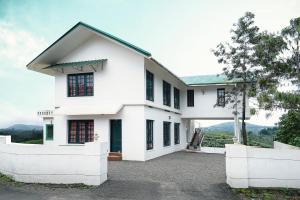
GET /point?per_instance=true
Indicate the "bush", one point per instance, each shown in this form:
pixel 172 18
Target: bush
pixel 289 128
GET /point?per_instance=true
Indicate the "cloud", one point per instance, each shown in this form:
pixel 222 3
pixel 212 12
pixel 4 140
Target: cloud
pixel 10 114
pixel 17 46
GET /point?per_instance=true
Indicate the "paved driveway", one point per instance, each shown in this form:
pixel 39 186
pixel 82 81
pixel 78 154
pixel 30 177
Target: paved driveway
pixel 180 175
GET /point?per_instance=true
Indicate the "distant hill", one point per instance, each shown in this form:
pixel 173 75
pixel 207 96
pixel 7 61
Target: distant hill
pixel 228 127
pixel 24 127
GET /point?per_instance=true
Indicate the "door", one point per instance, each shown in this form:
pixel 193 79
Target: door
pixel 116 135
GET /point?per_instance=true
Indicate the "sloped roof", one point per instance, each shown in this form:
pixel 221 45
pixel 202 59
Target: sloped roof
pixel 206 79
pixel 98 31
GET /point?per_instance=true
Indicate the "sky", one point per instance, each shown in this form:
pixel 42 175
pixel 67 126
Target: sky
pixel 179 33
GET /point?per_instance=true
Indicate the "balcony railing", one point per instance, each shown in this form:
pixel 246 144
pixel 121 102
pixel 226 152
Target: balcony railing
pixel 45 113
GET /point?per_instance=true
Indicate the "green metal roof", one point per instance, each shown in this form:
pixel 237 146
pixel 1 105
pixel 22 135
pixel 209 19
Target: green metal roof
pixel 76 64
pixel 206 79
pixel 142 51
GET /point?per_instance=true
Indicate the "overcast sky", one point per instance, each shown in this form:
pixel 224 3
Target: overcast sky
pixel 180 34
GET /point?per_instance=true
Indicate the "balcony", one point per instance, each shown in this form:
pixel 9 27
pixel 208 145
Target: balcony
pixel 45 113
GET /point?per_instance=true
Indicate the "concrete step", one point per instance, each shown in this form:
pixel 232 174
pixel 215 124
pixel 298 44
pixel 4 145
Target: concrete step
pixel 114 156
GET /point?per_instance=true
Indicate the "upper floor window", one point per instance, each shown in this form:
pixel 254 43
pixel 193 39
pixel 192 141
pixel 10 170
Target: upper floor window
pixel 177 133
pixel 149 134
pixel 221 97
pixel 190 98
pixel 166 93
pixel 81 131
pixel 80 84
pixel 176 98
pixel 149 86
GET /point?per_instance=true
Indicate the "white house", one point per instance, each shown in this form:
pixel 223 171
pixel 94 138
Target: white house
pixel 109 90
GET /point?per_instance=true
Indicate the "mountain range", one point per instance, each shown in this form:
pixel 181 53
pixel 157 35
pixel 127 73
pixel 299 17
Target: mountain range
pixel 24 127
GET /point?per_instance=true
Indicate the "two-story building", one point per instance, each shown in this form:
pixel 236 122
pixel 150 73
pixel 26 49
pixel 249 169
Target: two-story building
pixel 110 90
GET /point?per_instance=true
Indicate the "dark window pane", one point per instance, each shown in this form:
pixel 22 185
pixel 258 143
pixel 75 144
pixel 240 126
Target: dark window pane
pixel 80 85
pixel 149 134
pixel 177 133
pixel 81 131
pixel 149 86
pixel 166 93
pixel 176 98
pixel 221 97
pixel 190 98
pixel 167 134
pixel 49 131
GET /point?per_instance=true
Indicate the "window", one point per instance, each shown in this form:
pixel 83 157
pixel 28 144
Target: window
pixel 221 97
pixel 166 93
pixel 167 134
pixel 80 85
pixel 176 98
pixel 149 86
pixel 177 133
pixel 149 134
pixel 81 131
pixel 190 98
pixel 49 131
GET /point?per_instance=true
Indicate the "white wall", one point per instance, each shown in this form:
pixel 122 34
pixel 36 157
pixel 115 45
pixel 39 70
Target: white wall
pixel 120 81
pixel 205 97
pixel 133 129
pixel 260 167
pixel 280 145
pixel 159 116
pixel 30 163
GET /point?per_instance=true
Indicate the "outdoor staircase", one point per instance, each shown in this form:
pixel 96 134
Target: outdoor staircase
pixel 196 141
pixel 114 156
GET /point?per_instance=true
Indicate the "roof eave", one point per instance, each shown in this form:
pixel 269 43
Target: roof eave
pixel 123 42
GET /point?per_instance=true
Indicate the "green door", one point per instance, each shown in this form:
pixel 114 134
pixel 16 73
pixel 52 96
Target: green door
pixel 116 135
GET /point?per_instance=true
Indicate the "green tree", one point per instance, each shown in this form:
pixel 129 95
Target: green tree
pixel 288 129
pixel 279 57
pixel 238 57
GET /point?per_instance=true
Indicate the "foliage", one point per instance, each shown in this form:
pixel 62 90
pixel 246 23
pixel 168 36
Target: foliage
pixel 265 141
pixel 20 136
pixel 217 140
pixel 289 128
pixel 38 141
pixel 267 194
pixel 239 60
pixel 279 55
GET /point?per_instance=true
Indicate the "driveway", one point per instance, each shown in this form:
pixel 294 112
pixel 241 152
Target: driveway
pixel 180 175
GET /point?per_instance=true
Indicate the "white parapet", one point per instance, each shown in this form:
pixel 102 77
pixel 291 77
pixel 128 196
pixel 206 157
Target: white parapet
pixel 65 164
pixel 261 167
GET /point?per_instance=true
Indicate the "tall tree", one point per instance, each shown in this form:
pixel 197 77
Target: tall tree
pixel 279 55
pixel 238 58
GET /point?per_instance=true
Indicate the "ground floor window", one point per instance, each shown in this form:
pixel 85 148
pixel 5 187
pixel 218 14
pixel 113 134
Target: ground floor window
pixel 49 131
pixel 149 134
pixel 176 133
pixel 81 131
pixel 167 134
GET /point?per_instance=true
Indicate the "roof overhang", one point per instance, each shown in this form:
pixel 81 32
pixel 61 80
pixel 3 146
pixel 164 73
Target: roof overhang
pixel 100 109
pixel 71 67
pixel 72 39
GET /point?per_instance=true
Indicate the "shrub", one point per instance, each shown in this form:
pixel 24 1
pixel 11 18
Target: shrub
pixel 289 128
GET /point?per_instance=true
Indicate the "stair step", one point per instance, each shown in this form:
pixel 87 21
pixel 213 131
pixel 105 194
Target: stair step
pixel 114 156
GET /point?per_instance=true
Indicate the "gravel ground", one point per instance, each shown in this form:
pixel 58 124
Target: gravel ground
pixel 180 175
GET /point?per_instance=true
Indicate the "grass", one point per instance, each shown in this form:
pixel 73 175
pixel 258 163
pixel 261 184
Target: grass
pixel 38 141
pixel 268 194
pixel 4 179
